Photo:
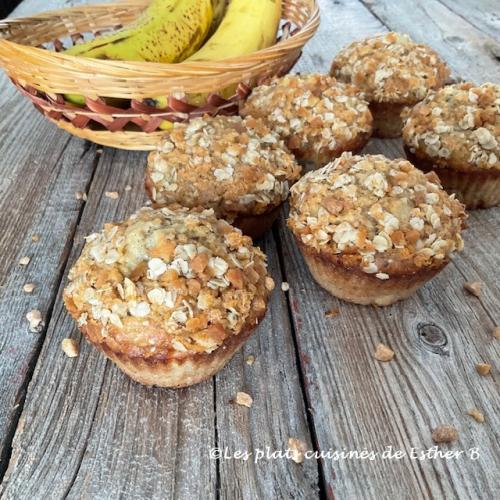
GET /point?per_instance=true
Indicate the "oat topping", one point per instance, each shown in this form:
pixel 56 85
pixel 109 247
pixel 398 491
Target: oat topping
pixel 233 165
pixel 298 449
pixel 383 353
pixel 378 215
pixel 70 348
pixel 457 126
pixel 444 434
pixel 243 399
pixel 391 68
pixel 474 288
pixel 312 112
pixel 167 282
pixel 483 369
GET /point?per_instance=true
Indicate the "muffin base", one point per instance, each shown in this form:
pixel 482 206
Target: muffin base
pixel 474 188
pixel 172 372
pixel 353 285
pixel 387 121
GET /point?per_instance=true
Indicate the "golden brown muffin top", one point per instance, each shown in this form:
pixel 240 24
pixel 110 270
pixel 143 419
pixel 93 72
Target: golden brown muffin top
pixel 168 282
pixel 381 216
pixel 391 68
pixel 232 165
pixel 311 110
pixel 457 126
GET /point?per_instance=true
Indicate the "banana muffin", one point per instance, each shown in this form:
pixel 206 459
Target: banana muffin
pixel 238 167
pixel 456 132
pixel 393 72
pixel 373 230
pixel 318 117
pixel 169 295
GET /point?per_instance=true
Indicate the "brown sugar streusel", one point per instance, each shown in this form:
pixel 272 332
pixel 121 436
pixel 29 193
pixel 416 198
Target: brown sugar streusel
pixel 391 68
pixel 457 127
pixel 167 283
pixel 318 117
pixel 235 166
pixel 376 215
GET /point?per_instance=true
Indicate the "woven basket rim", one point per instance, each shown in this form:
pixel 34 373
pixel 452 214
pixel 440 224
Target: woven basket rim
pixel 183 68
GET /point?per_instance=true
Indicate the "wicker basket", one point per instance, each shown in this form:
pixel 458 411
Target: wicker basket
pixel 45 75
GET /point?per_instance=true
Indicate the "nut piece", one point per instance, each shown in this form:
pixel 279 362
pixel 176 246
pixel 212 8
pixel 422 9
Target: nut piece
pixel 476 415
pixel 34 318
pixel 285 286
pixel 24 261
pixel 298 449
pixel 496 332
pixel 474 287
pixel 444 434
pixel 29 287
pixel 243 399
pixel 112 194
pixel 383 353
pixel 70 348
pixel 250 360
pixel 483 369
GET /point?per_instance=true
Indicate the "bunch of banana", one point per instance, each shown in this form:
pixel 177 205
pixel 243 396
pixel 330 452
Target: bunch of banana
pixel 168 31
pixel 248 26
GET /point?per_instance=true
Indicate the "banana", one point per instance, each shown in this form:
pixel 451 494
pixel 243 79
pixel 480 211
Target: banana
pixel 248 26
pixel 168 31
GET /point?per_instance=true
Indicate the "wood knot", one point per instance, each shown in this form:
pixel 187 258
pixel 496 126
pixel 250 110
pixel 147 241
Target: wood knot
pixel 433 338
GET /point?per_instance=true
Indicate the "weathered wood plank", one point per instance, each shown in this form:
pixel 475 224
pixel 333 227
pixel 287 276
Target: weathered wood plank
pixel 37 197
pixel 358 403
pixel 484 15
pixel 276 415
pixel 465 48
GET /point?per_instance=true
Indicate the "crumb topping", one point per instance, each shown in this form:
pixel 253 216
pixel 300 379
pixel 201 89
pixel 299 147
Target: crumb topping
pixel 233 165
pixel 168 282
pixel 457 126
pixel 391 68
pixel 378 215
pixel 311 111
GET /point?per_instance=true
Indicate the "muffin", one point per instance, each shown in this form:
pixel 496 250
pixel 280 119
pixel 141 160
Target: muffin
pixel 373 230
pixel 318 117
pixel 239 168
pixel 393 72
pixel 169 295
pixel 456 132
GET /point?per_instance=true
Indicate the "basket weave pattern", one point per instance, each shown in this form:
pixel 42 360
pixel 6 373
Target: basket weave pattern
pixel 45 75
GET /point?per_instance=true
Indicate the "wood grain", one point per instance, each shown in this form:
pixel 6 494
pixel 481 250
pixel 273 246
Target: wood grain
pixel 438 335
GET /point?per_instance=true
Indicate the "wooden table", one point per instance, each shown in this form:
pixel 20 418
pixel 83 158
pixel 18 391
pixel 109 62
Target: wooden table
pixel 79 428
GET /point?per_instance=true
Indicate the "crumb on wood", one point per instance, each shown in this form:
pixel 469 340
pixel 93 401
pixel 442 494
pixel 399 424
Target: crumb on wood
pixel 474 287
pixel 35 321
pixel 285 286
pixel 483 369
pixel 99 151
pixel 269 283
pixel 29 287
pixel 383 353
pixel 128 187
pixel 298 449
pixel 35 238
pixel 243 399
pixel 250 360
pixel 444 434
pixel 496 332
pixel 24 261
pixel 80 195
pixel 70 348
pixel 112 194
pixel 476 415
pixel 331 313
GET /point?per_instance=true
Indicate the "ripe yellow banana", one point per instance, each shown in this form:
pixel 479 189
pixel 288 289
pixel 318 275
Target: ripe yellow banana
pixel 168 31
pixel 248 26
